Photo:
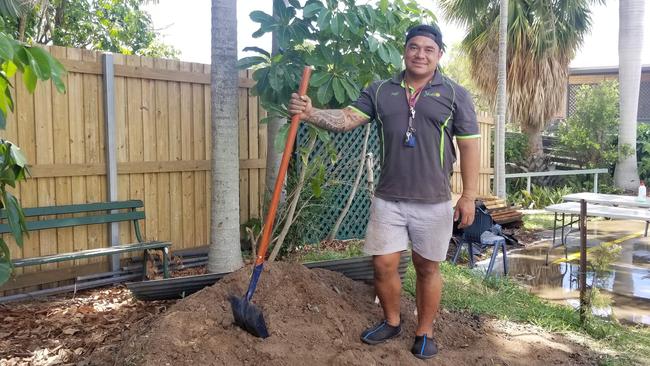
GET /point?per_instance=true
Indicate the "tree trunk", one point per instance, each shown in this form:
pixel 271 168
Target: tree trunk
pixel 500 130
pixel 273 156
pixel 355 186
pixel 225 253
pixel 630 43
pixel 535 146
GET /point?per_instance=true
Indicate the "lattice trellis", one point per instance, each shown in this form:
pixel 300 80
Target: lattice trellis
pixel 349 146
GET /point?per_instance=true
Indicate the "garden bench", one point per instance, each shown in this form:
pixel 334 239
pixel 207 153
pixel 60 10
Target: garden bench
pixel 89 214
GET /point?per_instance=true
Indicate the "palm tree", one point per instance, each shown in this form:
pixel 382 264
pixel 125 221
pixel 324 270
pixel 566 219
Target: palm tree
pixel 630 44
pixel 543 36
pixel 500 130
pixel 225 252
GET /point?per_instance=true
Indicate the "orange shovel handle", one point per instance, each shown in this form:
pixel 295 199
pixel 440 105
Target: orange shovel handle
pixel 284 165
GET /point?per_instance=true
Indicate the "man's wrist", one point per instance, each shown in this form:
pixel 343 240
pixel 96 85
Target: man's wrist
pixel 469 195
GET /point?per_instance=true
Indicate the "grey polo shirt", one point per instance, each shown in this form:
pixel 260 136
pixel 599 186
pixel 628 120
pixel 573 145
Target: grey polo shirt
pixel 444 110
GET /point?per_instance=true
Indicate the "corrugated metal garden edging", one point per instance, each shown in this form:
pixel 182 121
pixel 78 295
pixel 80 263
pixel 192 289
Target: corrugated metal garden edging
pixel 358 269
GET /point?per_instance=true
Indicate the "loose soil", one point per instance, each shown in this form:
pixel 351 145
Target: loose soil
pixel 315 317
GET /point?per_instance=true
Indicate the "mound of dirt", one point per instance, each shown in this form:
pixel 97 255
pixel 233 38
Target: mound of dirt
pixel 315 317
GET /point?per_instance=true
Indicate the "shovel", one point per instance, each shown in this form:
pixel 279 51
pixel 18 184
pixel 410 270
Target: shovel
pixel 247 315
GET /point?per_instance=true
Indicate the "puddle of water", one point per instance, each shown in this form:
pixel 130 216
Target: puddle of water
pixel 628 283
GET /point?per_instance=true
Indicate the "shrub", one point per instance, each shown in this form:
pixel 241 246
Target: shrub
pixel 539 196
pixel 590 134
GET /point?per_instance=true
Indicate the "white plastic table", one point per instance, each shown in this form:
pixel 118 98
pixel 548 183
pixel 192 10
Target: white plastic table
pixel 596 209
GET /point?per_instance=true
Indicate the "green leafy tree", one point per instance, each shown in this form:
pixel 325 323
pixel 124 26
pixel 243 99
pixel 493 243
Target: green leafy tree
pixel 643 150
pixel 590 134
pixel 348 45
pixel 119 26
pixel 35 64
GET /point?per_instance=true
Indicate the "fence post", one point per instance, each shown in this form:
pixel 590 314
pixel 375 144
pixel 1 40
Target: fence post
pixel 108 81
pixel 596 183
pixel 582 276
pixel 528 184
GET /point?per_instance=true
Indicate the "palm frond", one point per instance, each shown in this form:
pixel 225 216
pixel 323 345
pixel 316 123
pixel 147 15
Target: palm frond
pixel 543 36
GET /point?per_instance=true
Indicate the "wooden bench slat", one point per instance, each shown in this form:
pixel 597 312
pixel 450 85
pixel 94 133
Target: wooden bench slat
pixel 91 253
pixel 76 221
pixel 78 208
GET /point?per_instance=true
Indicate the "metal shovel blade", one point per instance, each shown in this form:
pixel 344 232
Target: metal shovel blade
pixel 248 317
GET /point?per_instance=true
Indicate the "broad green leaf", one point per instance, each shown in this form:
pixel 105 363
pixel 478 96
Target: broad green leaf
pixel 281 137
pixel 9 68
pixel 259 33
pixel 319 78
pixel 352 21
pixel 281 9
pixel 334 25
pixel 395 56
pixel 325 93
pixel 383 5
pixel 18 156
pixel 259 16
pixel 275 79
pixel 350 89
pixel 21 56
pixel 295 4
pixel 6 47
pixel 339 92
pixel 29 78
pixel 59 84
pixel 311 9
pixel 15 217
pixel 383 53
pixel 258 50
pixel 5 271
pixel 324 19
pixel 247 62
pixel 5 255
pixel 40 61
pixel 373 44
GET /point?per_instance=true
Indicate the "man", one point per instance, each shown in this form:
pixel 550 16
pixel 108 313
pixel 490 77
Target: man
pixel 419 112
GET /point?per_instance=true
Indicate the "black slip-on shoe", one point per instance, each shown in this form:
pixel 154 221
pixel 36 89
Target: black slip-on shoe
pixel 380 333
pixel 424 347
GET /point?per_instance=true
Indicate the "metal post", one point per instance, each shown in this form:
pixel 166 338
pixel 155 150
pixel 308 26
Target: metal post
pixel 596 183
pixel 582 275
pixel 111 147
pixel 528 184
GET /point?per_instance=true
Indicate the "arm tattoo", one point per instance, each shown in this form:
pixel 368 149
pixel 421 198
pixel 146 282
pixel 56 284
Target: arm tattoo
pixel 336 120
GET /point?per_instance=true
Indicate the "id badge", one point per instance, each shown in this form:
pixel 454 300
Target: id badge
pixel 409 140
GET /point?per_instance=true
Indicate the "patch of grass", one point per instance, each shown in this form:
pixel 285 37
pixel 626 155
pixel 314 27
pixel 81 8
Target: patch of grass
pixel 538 222
pixel 465 289
pixel 353 249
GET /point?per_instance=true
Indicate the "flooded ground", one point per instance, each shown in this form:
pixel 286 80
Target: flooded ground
pixel 628 283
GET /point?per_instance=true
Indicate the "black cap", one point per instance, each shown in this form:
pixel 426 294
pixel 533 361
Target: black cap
pixel 425 30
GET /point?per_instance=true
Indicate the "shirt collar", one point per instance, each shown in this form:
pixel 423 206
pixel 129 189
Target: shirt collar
pixel 399 79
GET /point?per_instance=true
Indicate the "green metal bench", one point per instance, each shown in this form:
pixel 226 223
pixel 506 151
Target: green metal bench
pixel 95 213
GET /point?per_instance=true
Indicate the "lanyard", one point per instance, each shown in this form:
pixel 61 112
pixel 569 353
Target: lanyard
pixel 411 99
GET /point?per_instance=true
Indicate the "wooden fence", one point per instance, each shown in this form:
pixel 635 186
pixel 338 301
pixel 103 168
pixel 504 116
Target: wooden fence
pixel 486 171
pixel 162 130
pixel 162 124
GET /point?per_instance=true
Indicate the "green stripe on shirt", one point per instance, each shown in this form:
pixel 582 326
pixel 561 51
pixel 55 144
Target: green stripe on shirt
pixel 465 137
pixel 356 110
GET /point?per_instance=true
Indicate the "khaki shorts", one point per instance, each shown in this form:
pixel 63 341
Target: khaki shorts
pixel 427 225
